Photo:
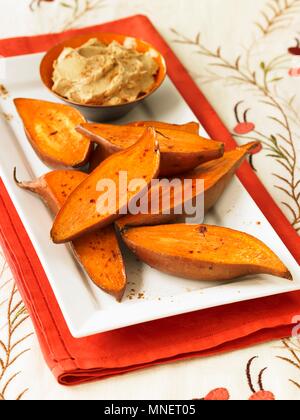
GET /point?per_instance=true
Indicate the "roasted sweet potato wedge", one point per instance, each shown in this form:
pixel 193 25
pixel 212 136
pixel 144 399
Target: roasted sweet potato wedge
pixel 98 252
pixel 180 151
pixel 99 200
pixel 202 252
pixel 50 128
pixel 191 127
pixel 216 175
pixel 100 154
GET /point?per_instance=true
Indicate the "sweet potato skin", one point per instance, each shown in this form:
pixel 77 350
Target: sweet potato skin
pixel 29 110
pixel 99 252
pixel 181 151
pixel 173 164
pixel 100 154
pixel 216 175
pixel 97 157
pixel 201 252
pixel 80 214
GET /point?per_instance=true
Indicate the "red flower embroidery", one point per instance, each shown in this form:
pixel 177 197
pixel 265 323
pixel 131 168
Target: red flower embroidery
pixel 243 127
pixel 295 50
pixel 260 395
pixel 219 394
pixel 294 72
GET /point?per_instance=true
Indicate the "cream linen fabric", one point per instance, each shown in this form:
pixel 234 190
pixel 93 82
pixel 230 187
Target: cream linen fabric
pixel 242 62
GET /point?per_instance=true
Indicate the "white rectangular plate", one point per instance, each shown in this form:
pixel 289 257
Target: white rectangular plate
pixel 150 294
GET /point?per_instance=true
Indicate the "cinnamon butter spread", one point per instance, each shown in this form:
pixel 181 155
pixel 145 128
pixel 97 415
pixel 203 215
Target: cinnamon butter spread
pixel 101 74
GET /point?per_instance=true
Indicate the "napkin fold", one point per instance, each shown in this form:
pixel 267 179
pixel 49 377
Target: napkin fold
pixel 198 334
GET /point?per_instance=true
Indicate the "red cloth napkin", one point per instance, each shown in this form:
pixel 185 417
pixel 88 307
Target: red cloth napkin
pixel 74 361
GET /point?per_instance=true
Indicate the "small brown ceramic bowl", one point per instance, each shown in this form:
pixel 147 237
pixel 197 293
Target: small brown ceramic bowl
pixel 99 112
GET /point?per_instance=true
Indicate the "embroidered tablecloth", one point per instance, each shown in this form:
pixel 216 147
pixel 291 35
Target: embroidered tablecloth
pixel 245 55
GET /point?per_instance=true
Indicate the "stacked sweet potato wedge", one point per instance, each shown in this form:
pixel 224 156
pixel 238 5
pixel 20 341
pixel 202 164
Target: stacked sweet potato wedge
pixel 98 252
pixel 180 150
pixel 89 207
pixel 100 153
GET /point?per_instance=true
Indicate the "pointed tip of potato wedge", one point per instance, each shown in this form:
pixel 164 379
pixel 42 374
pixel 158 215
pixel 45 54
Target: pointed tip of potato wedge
pixel 250 147
pixel 119 295
pixel 288 275
pixel 21 184
pixel 278 268
pixel 36 186
pixel 15 176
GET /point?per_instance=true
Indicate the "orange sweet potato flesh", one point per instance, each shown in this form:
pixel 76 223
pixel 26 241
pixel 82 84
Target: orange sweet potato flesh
pixel 50 128
pixel 191 127
pixel 202 252
pixel 181 151
pixel 82 213
pixel 216 175
pixel 98 252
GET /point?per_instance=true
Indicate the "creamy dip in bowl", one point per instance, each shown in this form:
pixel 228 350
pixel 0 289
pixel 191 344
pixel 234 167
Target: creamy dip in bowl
pixel 103 75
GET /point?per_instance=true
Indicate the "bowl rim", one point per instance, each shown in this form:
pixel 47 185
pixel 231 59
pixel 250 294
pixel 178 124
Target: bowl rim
pixel 94 34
